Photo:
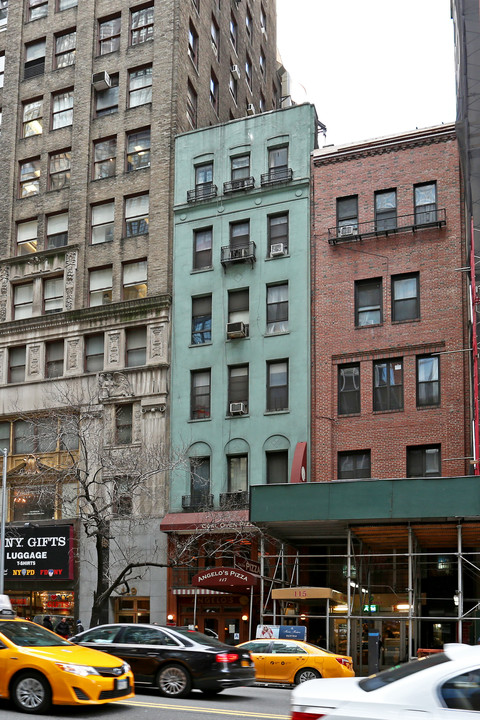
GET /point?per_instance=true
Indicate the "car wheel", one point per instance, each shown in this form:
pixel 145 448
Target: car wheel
pixel 31 693
pixel 306 674
pixel 174 681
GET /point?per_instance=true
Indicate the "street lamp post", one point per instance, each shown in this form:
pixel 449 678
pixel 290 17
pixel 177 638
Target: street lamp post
pixel 4 520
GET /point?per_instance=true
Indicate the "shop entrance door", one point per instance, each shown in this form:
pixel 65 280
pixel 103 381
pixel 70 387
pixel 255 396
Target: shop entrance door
pixel 232 630
pixel 393 649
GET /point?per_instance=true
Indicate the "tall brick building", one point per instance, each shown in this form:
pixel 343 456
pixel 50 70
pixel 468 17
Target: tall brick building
pixel 92 94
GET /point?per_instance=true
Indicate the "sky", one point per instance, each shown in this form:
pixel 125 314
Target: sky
pixel 371 67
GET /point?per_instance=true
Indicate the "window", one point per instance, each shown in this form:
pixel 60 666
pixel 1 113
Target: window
pixel 106 101
pixel 405 297
pixel 123 424
pixel 202 248
pixel 215 37
pixel 277 467
pixel 278 169
pixel 353 465
pixel 388 385
pixel 59 169
pixel 347 214
pixel 57 230
pixel 136 346
pixel 240 167
pixel 192 105
pixel 428 380
pixel 54 359
pixel 109 35
pixel 423 461
pixel 248 22
pixel 104 158
pixel 277 385
pixel 29 177
pixel 122 497
pixel 100 289
pixel 203 179
pixel 248 71
pixel 66 4
pixel 17 363
pixel 140 86
pixel 27 237
pixel 385 210
pixel 5 435
pixel 200 482
pixel 102 223
pixel 233 86
pixel 138 150
pixel 277 234
pixel 3 14
pixel 34 59
pixel 94 351
pixel 65 49
pixel 62 109
pixel 263 20
pixel 263 63
pixel 141 26
pixel 368 302
pixel 201 320
pixel 462 692
pixel 239 235
pixel 238 389
pixel 238 309
pixel 277 308
pixel 53 295
pixel 22 301
pixel 136 215
pixel 33 118
pixel 237 468
pixel 200 394
pixel 233 32
pixel 262 103
pixel 425 197
pixel 2 65
pixel 214 92
pixel 193 44
pixel 349 389
pixel 135 280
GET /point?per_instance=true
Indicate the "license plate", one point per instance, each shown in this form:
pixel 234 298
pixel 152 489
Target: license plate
pixel 245 663
pixel 121 684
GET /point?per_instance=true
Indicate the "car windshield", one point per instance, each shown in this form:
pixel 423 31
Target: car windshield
pixel 198 637
pixel 401 671
pixel 27 634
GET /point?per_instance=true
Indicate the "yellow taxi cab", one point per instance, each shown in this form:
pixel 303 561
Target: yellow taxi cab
pixel 39 668
pixel 294 661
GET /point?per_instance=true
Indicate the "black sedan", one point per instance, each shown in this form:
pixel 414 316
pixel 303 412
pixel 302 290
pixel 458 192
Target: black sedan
pixel 175 660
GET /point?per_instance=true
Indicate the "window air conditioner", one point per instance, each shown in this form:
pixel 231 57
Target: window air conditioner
pixel 238 408
pixel 236 330
pixel 347 230
pixel 277 249
pixel 235 70
pixel 239 253
pixel 250 109
pixel 101 80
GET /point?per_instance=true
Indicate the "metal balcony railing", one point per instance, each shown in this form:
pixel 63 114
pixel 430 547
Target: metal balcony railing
pixel 197 503
pixel 246 183
pixel 238 253
pixel 205 191
pixel 276 175
pixel 234 500
pixel 385 226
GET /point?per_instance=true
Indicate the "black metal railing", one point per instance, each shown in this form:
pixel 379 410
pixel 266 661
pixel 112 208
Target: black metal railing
pixel 276 175
pixel 238 253
pixel 386 226
pixel 197 503
pixel 234 500
pixel 205 191
pixel 246 183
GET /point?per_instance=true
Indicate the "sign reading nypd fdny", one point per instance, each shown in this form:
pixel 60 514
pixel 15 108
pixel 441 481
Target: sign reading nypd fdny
pixel 33 553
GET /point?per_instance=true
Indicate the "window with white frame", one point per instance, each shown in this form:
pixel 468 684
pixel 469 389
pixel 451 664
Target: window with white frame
pixel 3 14
pixel 65 49
pixel 277 385
pixel 109 35
pixel 277 235
pixel 200 388
pixel 141 25
pixel 140 86
pixel 23 301
pixel 202 248
pixel 53 295
pixel 135 280
pixel 66 4
pixel 59 165
pixel 29 178
pixel 104 158
pixel 102 222
pixel 368 302
pixel 277 308
pixel 106 101
pixel 237 471
pixel 136 215
pixel 62 109
pixel 57 230
pixel 238 310
pixel 32 118
pixel 405 297
pixel 138 150
pixel 100 288
pixel 428 380
pixel 425 198
pixel 237 389
pixel 27 237
pixel 349 389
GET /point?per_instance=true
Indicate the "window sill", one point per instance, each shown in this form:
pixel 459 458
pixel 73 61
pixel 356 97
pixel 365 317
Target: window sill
pixel 194 345
pixel 276 334
pixel 277 412
pixel 277 257
pixel 129 237
pixel 126 445
pixel 235 417
pixel 347 415
pixel 402 322
pixel 429 407
pixel 200 270
pixel 199 420
pixel 388 412
pixel 367 327
pixel 143 105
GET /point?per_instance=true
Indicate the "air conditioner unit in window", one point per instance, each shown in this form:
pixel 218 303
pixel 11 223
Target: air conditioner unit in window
pixel 277 249
pixel 347 230
pixel 250 109
pixel 236 330
pixel 239 253
pixel 238 408
pixel 101 80
pixel 235 70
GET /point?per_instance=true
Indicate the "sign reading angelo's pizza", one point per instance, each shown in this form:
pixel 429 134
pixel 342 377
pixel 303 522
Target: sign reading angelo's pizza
pixel 219 578
pixel 33 553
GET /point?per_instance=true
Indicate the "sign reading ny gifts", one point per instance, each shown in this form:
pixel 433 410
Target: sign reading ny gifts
pixel 44 552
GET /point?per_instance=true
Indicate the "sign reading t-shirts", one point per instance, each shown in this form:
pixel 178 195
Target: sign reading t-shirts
pixel 44 552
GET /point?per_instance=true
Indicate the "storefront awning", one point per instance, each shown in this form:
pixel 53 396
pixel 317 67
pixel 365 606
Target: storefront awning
pixel 308 594
pixel 196 591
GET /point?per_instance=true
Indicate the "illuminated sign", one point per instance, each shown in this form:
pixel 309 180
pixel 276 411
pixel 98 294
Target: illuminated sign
pixel 44 552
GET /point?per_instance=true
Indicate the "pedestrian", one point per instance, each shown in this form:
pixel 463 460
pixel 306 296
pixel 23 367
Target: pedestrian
pixel 47 622
pixel 63 629
pixel 80 627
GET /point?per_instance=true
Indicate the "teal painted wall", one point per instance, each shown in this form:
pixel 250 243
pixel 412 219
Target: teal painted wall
pixel 258 431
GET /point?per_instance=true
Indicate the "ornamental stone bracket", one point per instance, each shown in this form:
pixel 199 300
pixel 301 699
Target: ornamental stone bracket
pixel 114 385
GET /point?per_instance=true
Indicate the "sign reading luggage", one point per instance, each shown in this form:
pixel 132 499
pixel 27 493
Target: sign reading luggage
pixel 39 552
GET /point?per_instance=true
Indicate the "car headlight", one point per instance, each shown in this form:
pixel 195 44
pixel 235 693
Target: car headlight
pixel 82 670
pixel 126 667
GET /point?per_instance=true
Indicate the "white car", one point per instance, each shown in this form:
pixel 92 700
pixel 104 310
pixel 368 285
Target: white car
pixel 443 686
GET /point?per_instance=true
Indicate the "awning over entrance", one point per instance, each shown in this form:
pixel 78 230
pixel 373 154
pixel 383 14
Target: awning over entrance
pixel 225 578
pixel 308 594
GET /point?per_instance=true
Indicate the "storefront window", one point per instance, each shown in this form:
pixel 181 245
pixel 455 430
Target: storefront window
pixel 132 609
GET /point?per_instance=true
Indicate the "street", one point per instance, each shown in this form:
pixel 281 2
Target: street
pixel 262 703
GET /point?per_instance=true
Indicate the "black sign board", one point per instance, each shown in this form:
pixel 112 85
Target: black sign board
pixel 44 552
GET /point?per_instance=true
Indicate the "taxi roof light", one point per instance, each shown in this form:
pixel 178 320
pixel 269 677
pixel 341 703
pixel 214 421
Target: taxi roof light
pixel 6 606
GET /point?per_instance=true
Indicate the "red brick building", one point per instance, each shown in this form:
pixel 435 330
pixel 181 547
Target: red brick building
pixel 390 392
